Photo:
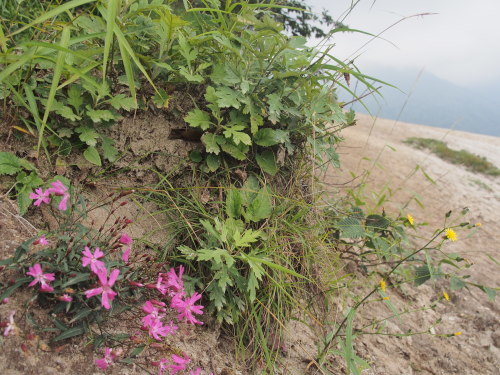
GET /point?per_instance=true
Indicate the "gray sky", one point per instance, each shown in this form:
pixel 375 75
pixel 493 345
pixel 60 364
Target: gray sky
pixel 460 44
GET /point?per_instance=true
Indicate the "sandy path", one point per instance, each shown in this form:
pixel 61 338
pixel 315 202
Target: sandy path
pixel 377 146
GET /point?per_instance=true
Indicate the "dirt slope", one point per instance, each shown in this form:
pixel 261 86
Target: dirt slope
pixel 376 146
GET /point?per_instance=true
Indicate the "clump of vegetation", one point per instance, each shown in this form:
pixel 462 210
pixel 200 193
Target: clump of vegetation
pixel 244 221
pixel 473 162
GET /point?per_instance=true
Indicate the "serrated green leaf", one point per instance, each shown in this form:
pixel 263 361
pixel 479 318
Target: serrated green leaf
pixel 237 152
pixel 100 115
pixel 490 292
pixel 110 152
pixel 227 97
pixel 121 101
pixel 9 164
pixel 270 137
pixel 376 223
pixel 267 162
pixel 75 97
pixel 68 113
pixel 190 77
pixel 88 135
pixel 210 142
pixel 198 119
pixel 249 237
pixel 92 155
pixel 456 283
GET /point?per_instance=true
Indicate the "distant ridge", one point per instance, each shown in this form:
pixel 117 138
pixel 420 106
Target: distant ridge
pixel 434 102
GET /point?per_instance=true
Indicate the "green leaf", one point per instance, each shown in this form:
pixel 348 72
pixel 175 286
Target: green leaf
pixel 213 162
pixel 121 101
pixel 83 313
pixel 422 274
pixel 88 135
pixel 195 156
pixel 210 142
pixel 350 227
pixel 270 137
pixel 249 236
pixel 376 223
pixel 92 155
pixel 68 113
pixel 11 289
pixel 198 78
pixel 227 97
pixel 137 350
pixel 26 184
pixel 261 206
pixel 237 152
pixel 72 332
pixel 100 115
pixel 198 119
pixel 267 162
pixel 233 203
pixel 75 97
pixel 9 164
pixel 75 280
pixel 456 283
pixel 490 292
pixel 109 151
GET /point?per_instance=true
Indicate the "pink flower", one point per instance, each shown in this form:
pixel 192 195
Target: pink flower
pixel 108 294
pixel 40 196
pixel 92 259
pixel 170 282
pixel 10 327
pixel 65 298
pixel 125 239
pixel 107 360
pixel 154 314
pixel 186 308
pixel 42 241
pixel 6 300
pixel 126 254
pixel 162 365
pixel 179 363
pixel 59 189
pixel 40 277
pixel 157 329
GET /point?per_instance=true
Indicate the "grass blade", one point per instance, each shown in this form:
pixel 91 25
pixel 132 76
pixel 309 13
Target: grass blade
pixel 55 82
pixel 109 16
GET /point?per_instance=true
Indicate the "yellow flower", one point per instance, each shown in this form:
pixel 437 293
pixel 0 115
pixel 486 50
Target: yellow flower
pixel 446 296
pixel 410 219
pixel 382 285
pixel 457 333
pixel 478 224
pixel 450 234
pixel 386 298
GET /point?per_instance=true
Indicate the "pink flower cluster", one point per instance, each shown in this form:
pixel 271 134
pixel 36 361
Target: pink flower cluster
pixel 39 277
pixel 58 189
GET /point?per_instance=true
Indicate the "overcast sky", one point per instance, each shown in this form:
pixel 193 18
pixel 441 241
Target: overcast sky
pixel 461 43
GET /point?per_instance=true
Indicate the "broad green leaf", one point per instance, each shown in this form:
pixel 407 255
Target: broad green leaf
pixel 227 97
pixel 195 156
pixel 233 203
pixel 213 162
pixel 92 155
pixel 456 283
pixel 422 274
pixel 267 162
pixel 198 119
pixel 270 137
pixel 237 152
pixel 210 142
pixel 350 227
pixel 261 206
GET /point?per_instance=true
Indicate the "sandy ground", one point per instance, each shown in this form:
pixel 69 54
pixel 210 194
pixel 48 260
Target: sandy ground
pixel 376 146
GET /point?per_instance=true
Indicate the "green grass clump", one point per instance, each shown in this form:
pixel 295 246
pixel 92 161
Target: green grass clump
pixel 473 162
